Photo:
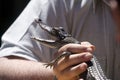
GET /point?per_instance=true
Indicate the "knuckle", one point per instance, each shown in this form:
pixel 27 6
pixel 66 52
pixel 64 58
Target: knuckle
pixel 85 56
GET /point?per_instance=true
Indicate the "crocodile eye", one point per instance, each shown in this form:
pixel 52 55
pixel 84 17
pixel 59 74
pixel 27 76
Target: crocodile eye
pixel 39 20
pixel 61 28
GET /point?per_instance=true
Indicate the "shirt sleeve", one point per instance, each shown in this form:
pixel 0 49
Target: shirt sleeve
pixel 17 40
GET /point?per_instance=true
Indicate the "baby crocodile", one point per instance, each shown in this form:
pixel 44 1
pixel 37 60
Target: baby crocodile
pixel 93 72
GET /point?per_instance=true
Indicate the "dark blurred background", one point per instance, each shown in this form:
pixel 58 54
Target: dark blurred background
pixel 9 11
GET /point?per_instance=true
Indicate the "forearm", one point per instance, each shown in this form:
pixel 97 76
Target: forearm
pixel 18 69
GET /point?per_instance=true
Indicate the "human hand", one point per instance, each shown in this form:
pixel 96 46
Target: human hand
pixel 115 8
pixel 69 68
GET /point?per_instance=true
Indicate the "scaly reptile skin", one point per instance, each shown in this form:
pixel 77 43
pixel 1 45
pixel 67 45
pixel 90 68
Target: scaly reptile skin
pixel 93 72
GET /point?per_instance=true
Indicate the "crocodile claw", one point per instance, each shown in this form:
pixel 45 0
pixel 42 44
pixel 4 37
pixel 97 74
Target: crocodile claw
pixel 53 62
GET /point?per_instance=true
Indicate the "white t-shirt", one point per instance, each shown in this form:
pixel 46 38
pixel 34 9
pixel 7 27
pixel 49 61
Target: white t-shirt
pixel 78 17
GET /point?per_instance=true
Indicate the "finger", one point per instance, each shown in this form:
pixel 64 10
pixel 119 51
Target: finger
pixel 73 72
pixel 75 78
pixel 73 48
pixel 115 11
pixel 72 60
pixel 115 8
pixel 89 46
